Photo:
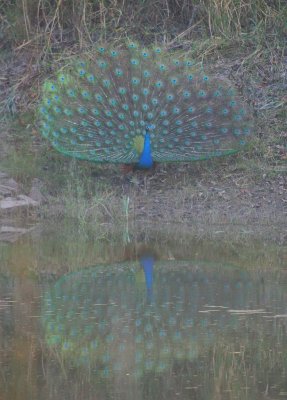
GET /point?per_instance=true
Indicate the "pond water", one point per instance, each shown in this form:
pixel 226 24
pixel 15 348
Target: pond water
pixel 148 315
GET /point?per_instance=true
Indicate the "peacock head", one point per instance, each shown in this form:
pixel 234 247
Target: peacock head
pixel 149 128
pixel 148 132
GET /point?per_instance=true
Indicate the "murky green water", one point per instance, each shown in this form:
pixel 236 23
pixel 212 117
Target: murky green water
pixel 157 315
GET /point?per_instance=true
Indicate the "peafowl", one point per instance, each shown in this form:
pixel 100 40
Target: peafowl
pixel 138 105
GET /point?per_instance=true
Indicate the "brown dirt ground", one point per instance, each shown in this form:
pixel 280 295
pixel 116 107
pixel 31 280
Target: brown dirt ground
pixel 186 193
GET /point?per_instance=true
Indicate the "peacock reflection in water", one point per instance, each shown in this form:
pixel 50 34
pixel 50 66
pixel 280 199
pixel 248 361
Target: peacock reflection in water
pixel 140 317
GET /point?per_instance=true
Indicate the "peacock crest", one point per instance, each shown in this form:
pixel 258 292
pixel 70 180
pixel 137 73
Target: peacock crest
pixel 138 105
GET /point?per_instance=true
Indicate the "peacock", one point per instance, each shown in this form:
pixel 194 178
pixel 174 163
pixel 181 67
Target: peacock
pixel 136 105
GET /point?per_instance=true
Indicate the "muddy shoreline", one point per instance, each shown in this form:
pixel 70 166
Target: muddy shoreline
pixel 222 201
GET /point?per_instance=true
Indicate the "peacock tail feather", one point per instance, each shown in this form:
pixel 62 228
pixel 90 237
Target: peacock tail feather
pixel 99 108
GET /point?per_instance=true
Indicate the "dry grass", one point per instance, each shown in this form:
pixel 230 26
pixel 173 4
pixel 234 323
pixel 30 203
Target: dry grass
pixel 29 22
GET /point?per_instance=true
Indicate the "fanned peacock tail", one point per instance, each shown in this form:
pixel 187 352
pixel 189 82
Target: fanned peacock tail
pixel 103 107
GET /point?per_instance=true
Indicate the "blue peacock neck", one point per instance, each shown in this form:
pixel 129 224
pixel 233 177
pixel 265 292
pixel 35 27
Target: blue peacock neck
pixel 145 160
pixel 147 263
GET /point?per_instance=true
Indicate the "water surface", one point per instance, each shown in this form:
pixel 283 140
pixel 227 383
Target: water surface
pixel 157 316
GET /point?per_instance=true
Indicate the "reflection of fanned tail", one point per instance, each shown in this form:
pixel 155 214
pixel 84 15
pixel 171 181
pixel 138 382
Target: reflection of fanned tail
pixel 147 263
pixel 96 317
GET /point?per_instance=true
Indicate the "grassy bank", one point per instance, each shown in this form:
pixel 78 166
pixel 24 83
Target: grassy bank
pixel 48 24
pixel 243 40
